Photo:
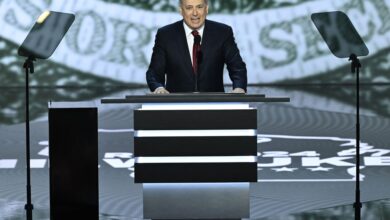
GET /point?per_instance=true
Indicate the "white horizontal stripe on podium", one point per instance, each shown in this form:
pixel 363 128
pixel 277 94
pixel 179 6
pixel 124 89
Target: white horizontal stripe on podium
pixel 194 159
pixel 195 133
pixel 195 106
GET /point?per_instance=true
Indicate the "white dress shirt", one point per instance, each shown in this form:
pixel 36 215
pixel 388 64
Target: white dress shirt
pixel 190 37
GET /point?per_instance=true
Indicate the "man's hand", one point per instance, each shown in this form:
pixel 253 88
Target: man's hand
pixel 238 90
pixel 160 90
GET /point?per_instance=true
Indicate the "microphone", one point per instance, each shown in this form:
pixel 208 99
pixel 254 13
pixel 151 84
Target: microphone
pixel 197 39
pixel 199 55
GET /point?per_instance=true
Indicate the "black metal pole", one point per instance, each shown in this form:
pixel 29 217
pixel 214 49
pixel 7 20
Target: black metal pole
pixel 29 206
pixel 358 204
pixel 355 69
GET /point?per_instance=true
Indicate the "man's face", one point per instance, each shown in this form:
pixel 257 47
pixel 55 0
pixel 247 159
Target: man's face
pixel 194 12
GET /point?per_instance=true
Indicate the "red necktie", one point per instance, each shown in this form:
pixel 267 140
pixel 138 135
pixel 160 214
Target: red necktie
pixel 195 51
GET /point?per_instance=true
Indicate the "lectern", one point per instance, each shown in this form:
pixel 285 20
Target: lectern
pixel 195 153
pixel 73 140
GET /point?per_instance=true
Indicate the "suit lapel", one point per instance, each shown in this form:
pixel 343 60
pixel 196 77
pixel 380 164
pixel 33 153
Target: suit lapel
pixel 207 35
pixel 184 50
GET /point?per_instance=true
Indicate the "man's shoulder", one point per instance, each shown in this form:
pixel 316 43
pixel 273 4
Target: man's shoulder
pixel 214 28
pixel 215 24
pixel 173 27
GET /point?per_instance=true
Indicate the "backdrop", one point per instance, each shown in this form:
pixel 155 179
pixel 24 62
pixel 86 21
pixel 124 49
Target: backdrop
pixel 111 41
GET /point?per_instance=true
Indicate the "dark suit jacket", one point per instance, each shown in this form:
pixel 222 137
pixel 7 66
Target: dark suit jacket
pixel 171 57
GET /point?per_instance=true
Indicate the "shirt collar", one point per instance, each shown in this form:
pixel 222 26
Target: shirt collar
pixel 188 30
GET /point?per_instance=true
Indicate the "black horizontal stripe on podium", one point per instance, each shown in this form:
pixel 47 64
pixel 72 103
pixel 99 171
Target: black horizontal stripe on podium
pixel 195 119
pixel 195 146
pixel 195 172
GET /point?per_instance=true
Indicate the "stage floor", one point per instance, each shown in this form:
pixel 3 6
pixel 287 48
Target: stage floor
pixel 305 147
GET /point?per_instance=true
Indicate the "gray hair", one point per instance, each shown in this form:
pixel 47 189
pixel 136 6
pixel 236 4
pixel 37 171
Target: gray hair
pixel 205 1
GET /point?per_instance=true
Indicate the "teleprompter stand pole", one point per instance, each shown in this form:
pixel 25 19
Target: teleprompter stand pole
pixel 40 43
pixel 355 67
pixel 29 68
pixel 344 41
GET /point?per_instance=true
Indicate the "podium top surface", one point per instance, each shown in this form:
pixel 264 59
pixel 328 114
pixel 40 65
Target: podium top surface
pixel 62 105
pixel 194 98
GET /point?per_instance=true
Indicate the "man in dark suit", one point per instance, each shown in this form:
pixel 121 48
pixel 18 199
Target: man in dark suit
pixel 181 64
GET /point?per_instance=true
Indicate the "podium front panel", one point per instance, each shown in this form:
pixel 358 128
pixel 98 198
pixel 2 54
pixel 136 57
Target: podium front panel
pixel 73 152
pixel 195 146
pixel 191 143
pixel 226 172
pixel 194 119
